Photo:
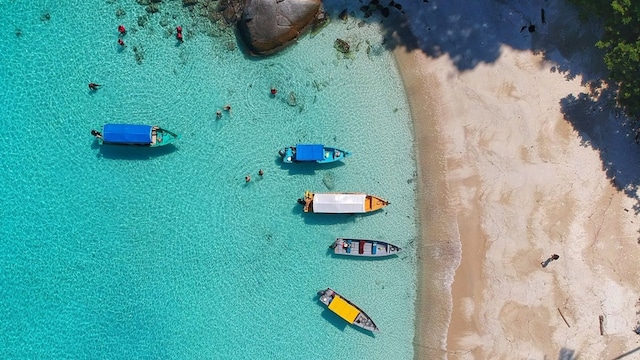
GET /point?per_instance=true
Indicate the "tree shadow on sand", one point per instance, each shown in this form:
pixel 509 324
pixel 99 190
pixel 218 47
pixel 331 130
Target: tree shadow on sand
pixel 473 33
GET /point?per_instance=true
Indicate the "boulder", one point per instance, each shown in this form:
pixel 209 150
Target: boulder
pixel 268 26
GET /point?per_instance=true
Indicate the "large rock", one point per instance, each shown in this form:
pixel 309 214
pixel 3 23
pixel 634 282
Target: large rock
pixel 268 26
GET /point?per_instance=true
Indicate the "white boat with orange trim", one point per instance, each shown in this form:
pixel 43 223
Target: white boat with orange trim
pixel 341 203
pixel 346 310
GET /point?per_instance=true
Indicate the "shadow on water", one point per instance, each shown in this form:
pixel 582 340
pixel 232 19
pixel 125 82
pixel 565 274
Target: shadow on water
pixel 359 258
pixel 309 168
pixel 330 219
pixel 116 152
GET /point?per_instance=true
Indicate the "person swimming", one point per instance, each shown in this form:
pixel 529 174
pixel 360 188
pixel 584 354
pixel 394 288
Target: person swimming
pixel 97 134
pixel 93 86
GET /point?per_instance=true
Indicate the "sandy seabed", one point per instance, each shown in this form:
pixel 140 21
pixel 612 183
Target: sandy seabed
pixel 517 164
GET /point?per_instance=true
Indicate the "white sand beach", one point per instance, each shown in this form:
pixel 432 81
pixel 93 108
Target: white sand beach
pixel 515 165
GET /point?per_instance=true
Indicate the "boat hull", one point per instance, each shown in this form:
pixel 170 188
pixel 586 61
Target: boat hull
pixel 364 248
pixel 347 310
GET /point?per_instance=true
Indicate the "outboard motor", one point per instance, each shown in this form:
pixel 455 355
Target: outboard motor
pixel 301 201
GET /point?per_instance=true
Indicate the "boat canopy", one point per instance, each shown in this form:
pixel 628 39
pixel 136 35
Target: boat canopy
pixel 345 310
pixel 127 134
pixel 339 203
pixel 309 152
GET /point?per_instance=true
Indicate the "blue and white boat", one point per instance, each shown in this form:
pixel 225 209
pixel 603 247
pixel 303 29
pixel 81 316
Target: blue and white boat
pixel 312 153
pixel 134 135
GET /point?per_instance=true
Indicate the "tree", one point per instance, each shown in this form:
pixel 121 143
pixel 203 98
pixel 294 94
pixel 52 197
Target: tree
pixel 621 42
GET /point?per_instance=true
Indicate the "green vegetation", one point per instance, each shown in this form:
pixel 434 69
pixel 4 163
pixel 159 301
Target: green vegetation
pixel 621 41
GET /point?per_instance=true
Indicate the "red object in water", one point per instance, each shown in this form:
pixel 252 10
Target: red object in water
pixel 179 36
pixel 179 29
pixel 122 30
pixel 120 42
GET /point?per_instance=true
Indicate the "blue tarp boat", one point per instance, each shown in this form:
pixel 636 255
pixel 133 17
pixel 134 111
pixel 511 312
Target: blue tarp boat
pixel 312 153
pixel 136 135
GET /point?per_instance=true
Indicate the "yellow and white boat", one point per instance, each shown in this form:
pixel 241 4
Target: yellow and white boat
pixel 341 203
pixel 346 310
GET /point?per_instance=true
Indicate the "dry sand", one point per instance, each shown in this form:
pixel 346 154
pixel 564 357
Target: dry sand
pixel 515 166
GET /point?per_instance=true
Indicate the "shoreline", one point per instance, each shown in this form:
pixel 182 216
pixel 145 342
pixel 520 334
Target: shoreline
pixel 504 181
pixel 435 276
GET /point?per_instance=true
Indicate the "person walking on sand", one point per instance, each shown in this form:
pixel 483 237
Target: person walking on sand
pixel 550 259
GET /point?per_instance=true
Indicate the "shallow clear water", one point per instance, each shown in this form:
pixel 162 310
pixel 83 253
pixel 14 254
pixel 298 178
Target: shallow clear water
pixel 168 253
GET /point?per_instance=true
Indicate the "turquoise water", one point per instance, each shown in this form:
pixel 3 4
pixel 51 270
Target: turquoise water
pixel 168 253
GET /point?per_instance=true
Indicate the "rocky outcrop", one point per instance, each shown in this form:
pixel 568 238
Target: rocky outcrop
pixel 268 26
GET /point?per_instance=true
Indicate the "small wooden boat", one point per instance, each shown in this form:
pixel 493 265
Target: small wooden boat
pixel 312 153
pixel 346 310
pixel 362 247
pixel 134 135
pixel 341 203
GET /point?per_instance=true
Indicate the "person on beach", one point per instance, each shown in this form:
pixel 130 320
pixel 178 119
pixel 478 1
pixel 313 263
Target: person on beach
pixel 122 30
pixel 550 259
pixel 93 86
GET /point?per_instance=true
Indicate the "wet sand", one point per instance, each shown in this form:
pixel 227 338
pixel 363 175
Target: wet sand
pixel 508 176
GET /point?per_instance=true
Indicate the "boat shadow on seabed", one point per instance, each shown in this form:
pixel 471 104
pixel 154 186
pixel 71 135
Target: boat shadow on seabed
pixel 311 168
pixel 118 152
